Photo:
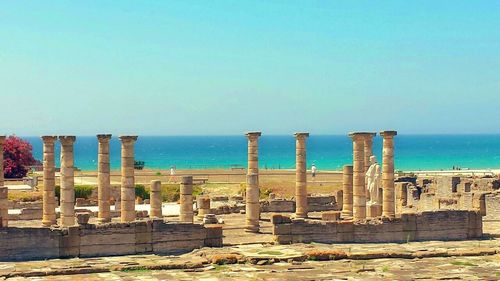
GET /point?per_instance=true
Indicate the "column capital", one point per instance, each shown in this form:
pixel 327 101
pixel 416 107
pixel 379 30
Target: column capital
pixel 67 140
pixel 253 135
pixel 127 138
pixel 388 134
pixel 104 137
pixel 361 135
pixel 301 135
pixel 49 139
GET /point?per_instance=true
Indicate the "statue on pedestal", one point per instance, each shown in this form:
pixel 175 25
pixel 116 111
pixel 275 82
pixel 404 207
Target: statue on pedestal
pixel 373 179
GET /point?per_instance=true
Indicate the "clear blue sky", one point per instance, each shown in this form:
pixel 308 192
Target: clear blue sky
pixel 225 67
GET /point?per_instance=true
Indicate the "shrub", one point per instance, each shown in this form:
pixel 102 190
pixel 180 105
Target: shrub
pixel 140 191
pixel 171 192
pixel 18 156
pixel 81 191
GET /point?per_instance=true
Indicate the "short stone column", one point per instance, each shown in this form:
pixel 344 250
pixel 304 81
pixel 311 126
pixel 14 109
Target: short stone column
pixel 300 175
pixel 127 192
pixel 253 152
pixel 359 189
pixel 2 140
pixel 186 199
pixel 347 191
pixel 49 182
pixel 155 201
pixel 252 206
pixel 103 178
pixel 4 206
pixel 388 206
pixel 203 204
pixel 67 181
pixel 368 151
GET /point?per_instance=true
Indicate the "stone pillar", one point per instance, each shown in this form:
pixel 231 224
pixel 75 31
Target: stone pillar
pixel 388 206
pixel 4 206
pixel 359 188
pixel 103 178
pixel 127 209
pixel 300 175
pixel 368 151
pixel 49 181
pixel 253 152
pixel 67 181
pixel 252 205
pixel 203 203
pixel 347 191
pixel 2 140
pixel 155 201
pixel 186 199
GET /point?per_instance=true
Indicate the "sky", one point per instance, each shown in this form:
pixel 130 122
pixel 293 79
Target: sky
pixel 227 67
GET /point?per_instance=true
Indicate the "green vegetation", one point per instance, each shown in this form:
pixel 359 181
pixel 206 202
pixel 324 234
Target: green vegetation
pixel 140 191
pixel 463 263
pixel 385 268
pixel 81 191
pixel 171 192
pixel 135 269
pixel 158 173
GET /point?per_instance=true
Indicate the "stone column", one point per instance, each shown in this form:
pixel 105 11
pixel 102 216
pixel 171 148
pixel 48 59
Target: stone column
pixel 127 209
pixel 368 151
pixel 103 178
pixel 49 181
pixel 4 206
pixel 67 181
pixel 358 192
pixel 253 152
pixel 300 175
pixel 186 199
pixel 203 203
pixel 155 201
pixel 2 140
pixel 252 205
pixel 347 191
pixel 388 206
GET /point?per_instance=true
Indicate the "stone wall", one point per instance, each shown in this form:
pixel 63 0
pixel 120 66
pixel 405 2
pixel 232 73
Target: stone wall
pixel 492 206
pixel 139 237
pixel 438 225
pixel 314 204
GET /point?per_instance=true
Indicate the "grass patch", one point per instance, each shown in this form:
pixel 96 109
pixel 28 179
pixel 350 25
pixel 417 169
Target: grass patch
pixel 81 191
pixel 24 196
pixel 463 263
pixel 171 192
pixel 271 253
pixel 137 269
pixel 385 268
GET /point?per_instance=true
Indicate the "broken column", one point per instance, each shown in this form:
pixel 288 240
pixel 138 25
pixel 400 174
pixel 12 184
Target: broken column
pixel 368 151
pixel 67 181
pixel 300 175
pixel 252 206
pixel 49 181
pixel 388 206
pixel 4 206
pixel 253 152
pixel 155 201
pixel 203 204
pixel 127 208
pixel 2 140
pixel 358 192
pixel 347 191
pixel 186 199
pixel 103 179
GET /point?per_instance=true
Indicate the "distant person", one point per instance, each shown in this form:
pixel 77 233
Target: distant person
pixel 313 171
pixel 172 174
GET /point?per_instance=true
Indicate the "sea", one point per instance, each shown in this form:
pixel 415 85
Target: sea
pixel 327 152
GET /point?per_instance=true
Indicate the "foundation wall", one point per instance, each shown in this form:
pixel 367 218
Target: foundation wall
pixel 438 225
pixel 110 239
pixel 492 206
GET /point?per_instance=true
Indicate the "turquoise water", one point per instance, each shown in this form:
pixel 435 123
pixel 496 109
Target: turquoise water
pixel 412 152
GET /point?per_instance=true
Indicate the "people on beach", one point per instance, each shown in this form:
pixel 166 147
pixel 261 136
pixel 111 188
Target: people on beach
pixel 313 171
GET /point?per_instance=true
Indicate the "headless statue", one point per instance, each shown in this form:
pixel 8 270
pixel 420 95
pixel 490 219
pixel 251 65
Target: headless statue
pixel 372 179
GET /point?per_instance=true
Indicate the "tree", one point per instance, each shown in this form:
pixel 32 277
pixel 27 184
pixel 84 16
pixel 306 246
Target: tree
pixel 17 157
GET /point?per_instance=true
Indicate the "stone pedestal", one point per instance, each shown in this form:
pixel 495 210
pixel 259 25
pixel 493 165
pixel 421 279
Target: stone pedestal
pixel 373 210
pixel 330 216
pixel 359 188
pixel 2 140
pixel 300 175
pixel 203 203
pixel 4 206
pixel 388 206
pixel 252 206
pixel 67 181
pixel 49 182
pixel 127 210
pixel 347 191
pixel 103 179
pixel 186 199
pixel 155 200
pixel 253 152
pixel 368 152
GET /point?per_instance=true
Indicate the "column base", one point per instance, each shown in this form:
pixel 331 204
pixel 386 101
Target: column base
pixel 373 210
pixel 103 220
pixel 301 216
pixel 253 229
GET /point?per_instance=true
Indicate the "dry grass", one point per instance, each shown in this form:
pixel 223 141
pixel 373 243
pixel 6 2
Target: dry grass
pixel 25 196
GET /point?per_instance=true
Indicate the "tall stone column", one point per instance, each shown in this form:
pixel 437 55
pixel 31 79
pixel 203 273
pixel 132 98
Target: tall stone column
pixel 253 152
pixel 155 200
pixel 186 199
pixel 347 191
pixel 252 205
pixel 368 151
pixel 388 206
pixel 2 140
pixel 358 192
pixel 103 178
pixel 300 175
pixel 4 206
pixel 127 209
pixel 67 181
pixel 49 181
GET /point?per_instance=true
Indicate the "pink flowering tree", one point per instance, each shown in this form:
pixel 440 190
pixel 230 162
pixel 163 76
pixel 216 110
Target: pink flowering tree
pixel 17 157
